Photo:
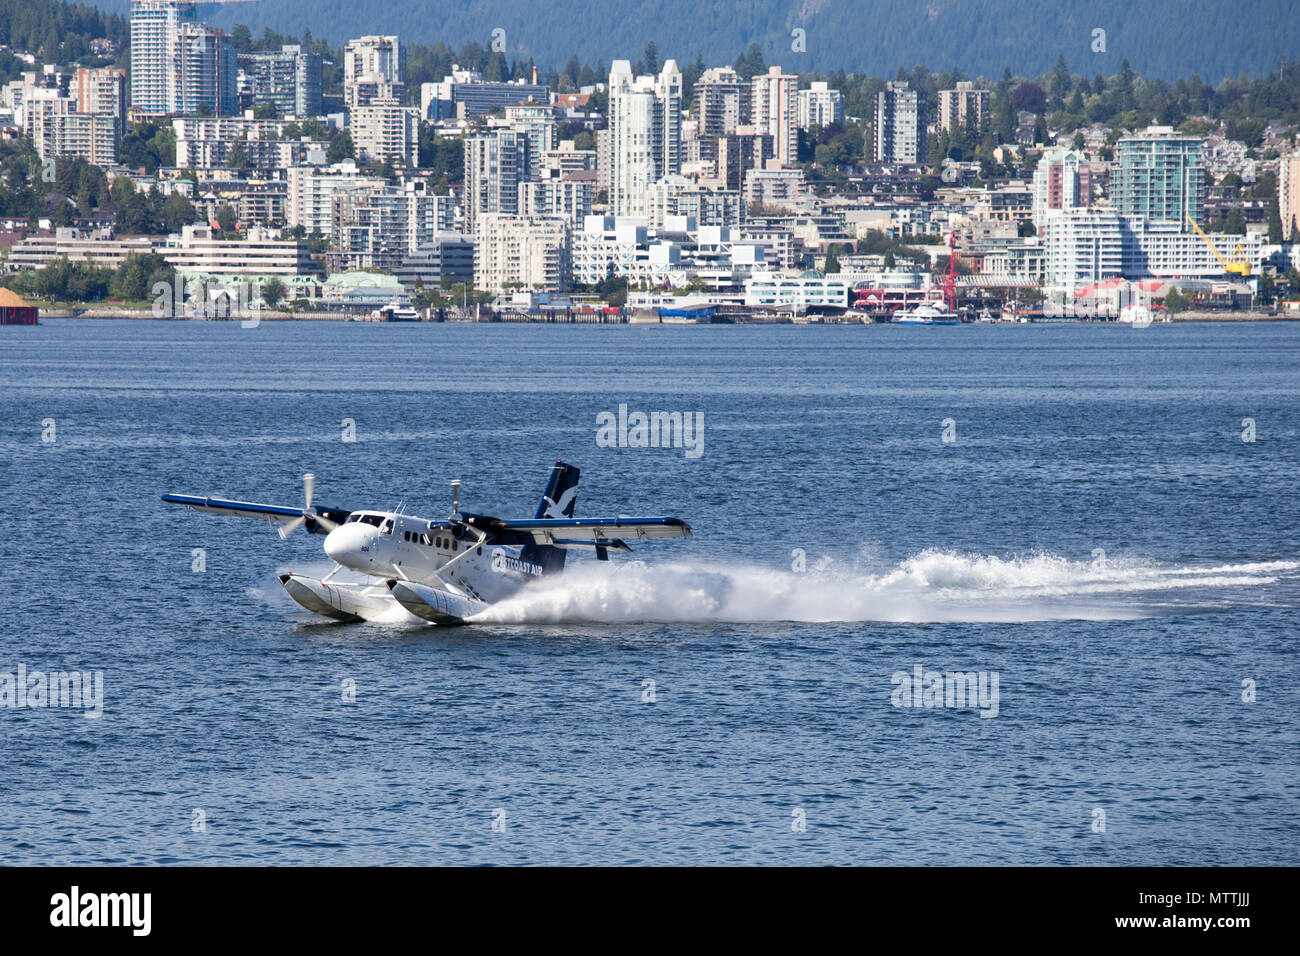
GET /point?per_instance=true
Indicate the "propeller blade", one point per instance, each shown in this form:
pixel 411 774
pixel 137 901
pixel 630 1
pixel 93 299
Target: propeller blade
pixel 289 527
pixel 308 487
pixel 327 523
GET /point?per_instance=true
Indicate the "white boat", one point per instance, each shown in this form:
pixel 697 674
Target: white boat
pixel 925 314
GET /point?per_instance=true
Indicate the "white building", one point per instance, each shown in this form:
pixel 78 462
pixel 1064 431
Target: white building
pixel 511 252
pixel 962 106
pixel 76 245
pixel 554 196
pixel 1085 246
pixel 376 227
pixel 208 143
pixel 155 53
pixel 772 186
pixel 1062 181
pixel 899 130
pixel 372 70
pixel 677 196
pixel 196 251
pixel 645 133
pixel 718 257
pixel 496 165
pixel 774 110
pixel 807 290
pixel 1288 195
pixel 310 200
pixel 179 65
pixel 386 130
pixel 820 106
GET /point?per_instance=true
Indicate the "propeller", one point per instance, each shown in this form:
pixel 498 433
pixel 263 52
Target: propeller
pixel 308 490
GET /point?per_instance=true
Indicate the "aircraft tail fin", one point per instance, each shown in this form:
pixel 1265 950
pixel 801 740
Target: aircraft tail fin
pixel 558 501
pixel 561 493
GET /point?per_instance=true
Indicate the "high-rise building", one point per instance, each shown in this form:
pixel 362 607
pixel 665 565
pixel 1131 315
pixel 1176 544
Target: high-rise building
pixel 209 72
pixel 496 163
pixel 962 106
pixel 819 105
pixel 568 198
pixel 722 102
pixel 678 197
pixel 386 130
pixel 645 133
pixel 377 227
pixel 155 53
pixel 310 200
pixel 739 152
pixel 101 92
pixel 899 130
pixel 1062 181
pixel 56 128
pixel 372 70
pixel 289 79
pixel 511 252
pixel 1160 176
pixel 537 122
pixel 178 65
pixel 775 111
pixel 1288 195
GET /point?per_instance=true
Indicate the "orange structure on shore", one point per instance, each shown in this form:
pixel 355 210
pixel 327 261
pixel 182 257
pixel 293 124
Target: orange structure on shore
pixel 14 309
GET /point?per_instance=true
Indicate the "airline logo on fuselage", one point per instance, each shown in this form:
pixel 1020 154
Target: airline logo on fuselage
pixel 502 563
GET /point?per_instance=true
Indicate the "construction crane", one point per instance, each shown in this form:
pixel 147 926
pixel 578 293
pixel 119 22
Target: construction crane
pixel 1238 266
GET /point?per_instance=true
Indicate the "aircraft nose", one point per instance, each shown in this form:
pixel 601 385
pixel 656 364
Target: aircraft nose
pixel 344 544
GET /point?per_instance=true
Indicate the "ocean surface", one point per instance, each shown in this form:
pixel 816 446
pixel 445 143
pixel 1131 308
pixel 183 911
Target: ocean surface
pixel 1073 511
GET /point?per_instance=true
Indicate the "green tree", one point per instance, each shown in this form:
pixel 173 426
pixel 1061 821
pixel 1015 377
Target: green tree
pixel 273 290
pixel 227 219
pixel 1274 224
pixel 340 147
pixel 178 211
pixel 1176 301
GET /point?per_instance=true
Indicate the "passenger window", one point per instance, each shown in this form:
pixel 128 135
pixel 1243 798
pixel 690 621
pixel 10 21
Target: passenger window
pixel 454 545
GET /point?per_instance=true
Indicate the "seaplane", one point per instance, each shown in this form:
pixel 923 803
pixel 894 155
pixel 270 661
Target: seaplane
pixel 443 571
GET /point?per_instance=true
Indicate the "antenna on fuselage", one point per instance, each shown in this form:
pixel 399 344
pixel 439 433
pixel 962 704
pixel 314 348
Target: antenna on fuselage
pixel 455 498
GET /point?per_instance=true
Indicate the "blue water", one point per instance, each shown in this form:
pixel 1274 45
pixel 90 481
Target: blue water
pixel 1120 674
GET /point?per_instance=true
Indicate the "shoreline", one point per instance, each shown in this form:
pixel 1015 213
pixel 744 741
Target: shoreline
pixel 129 314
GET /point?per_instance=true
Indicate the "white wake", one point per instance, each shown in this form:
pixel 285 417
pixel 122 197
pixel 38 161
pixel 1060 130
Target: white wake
pixel 931 586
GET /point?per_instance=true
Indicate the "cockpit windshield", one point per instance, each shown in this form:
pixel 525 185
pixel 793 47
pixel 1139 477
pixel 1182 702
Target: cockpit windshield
pixel 375 520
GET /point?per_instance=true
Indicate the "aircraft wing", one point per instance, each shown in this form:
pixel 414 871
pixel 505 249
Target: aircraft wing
pixel 275 514
pixel 587 532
